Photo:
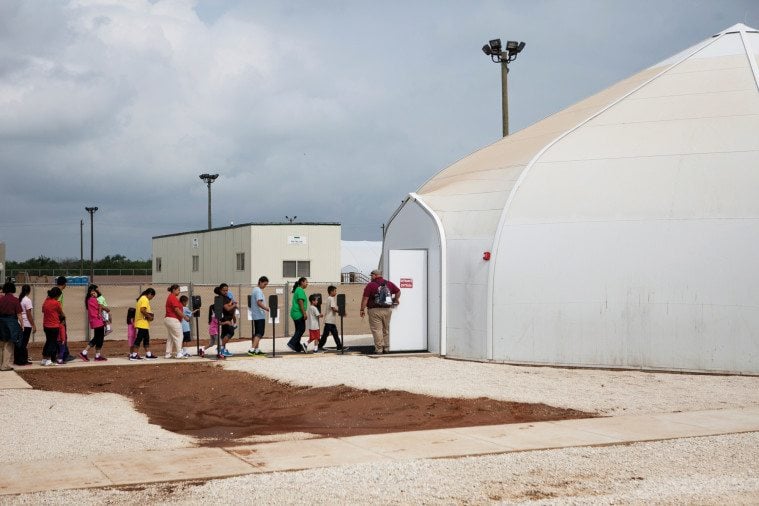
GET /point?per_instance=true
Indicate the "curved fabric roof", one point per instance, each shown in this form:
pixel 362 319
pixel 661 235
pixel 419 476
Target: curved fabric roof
pixel 715 81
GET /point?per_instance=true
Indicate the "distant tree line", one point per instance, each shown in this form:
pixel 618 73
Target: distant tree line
pixel 43 263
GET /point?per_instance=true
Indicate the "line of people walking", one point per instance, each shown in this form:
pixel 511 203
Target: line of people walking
pixel 307 312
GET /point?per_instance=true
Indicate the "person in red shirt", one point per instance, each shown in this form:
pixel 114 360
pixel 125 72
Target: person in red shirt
pixel 173 322
pixel 10 325
pixel 52 321
pixel 380 311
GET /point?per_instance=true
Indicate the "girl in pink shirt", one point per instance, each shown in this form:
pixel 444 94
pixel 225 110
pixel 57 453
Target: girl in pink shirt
pixel 95 317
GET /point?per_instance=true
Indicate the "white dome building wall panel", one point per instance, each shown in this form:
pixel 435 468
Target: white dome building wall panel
pixel 470 224
pixel 629 294
pixel 467 297
pixel 718 185
pixel 678 137
pixel 681 107
pixel 413 228
pixel 700 64
pixel 484 181
pixel 468 190
pixel 690 83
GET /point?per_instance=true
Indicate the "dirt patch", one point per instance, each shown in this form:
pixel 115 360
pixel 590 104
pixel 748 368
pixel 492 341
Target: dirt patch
pixel 219 406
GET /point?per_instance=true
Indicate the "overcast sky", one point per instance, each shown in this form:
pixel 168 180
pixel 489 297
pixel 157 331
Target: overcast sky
pixel 328 110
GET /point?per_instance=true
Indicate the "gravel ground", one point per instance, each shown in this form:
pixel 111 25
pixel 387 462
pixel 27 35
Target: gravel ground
pixel 56 425
pixel 719 469
pixel 605 392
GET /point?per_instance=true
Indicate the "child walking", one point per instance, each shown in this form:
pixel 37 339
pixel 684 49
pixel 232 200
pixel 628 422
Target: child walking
pixel 131 331
pixel 330 320
pixel 95 317
pixel 186 332
pixel 314 315
pixel 213 332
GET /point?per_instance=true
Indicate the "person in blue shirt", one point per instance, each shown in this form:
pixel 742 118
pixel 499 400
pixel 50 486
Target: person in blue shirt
pixel 258 310
pixel 186 332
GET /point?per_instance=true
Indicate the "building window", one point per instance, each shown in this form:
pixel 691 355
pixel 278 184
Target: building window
pixel 241 261
pixel 296 268
pixel 195 263
pixel 158 264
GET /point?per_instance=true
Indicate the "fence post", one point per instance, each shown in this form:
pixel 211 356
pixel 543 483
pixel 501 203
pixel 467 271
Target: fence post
pixel 286 306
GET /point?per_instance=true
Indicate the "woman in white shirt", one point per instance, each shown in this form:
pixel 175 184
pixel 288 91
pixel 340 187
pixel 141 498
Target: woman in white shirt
pixel 21 355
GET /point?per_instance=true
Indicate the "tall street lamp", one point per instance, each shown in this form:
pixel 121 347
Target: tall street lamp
pixel 92 210
pixel 209 178
pixel 504 56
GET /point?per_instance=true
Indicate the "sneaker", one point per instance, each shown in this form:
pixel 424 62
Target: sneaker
pixel 101 358
pixel 182 354
pixel 60 362
pixel 344 348
pixel 46 362
pixel 259 353
pixel 305 347
pixel 202 353
pixel 69 358
pixel 227 353
pixel 252 352
pixel 151 356
pixel 135 357
pixel 168 355
pixel 296 350
pixel 220 357
pixel 84 356
pixel 318 350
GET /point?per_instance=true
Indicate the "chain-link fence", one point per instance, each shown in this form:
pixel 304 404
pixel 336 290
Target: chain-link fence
pixel 120 297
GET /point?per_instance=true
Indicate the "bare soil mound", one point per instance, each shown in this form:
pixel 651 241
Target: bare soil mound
pixel 219 406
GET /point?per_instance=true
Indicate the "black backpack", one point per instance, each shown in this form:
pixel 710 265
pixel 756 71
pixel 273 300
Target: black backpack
pixel 382 296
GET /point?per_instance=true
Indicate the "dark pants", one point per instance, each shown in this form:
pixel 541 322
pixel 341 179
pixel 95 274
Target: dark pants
pixel 143 337
pixel 300 329
pixel 50 350
pixel 21 356
pixel 330 328
pixel 97 339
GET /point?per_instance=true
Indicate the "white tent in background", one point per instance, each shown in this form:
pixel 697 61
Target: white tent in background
pixel 360 256
pixel 622 231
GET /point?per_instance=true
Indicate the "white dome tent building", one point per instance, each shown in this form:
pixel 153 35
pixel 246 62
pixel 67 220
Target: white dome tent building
pixel 622 231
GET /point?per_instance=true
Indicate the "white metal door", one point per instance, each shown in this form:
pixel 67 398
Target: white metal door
pixel 408 325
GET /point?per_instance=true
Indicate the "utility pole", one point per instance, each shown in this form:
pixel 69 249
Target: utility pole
pixel 92 210
pixel 81 247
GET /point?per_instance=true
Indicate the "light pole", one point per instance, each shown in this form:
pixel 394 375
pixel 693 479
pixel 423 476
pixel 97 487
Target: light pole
pixel 504 57
pixel 208 179
pixel 81 247
pixel 92 210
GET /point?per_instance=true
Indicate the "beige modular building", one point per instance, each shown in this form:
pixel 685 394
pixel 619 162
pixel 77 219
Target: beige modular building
pixel 242 253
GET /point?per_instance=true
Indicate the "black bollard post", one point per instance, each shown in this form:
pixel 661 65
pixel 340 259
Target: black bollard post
pixel 341 312
pixel 273 312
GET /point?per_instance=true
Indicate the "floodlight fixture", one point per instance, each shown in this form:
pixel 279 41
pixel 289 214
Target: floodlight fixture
pixel 504 56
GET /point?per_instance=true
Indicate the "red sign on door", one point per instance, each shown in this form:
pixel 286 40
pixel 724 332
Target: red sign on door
pixel 407 282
